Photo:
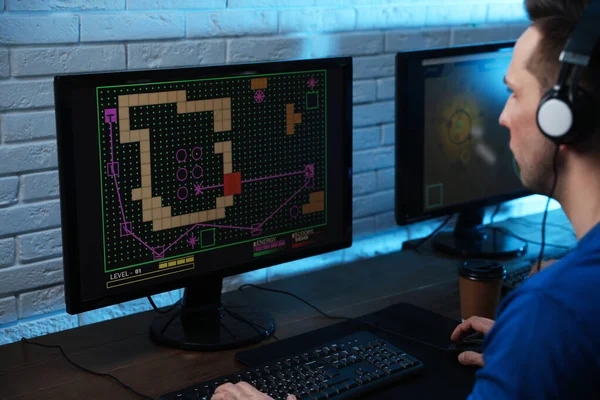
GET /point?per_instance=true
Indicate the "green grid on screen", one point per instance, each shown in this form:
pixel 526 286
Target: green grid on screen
pixel 261 148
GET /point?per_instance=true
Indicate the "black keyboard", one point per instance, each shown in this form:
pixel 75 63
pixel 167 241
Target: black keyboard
pixel 342 369
pixel 519 271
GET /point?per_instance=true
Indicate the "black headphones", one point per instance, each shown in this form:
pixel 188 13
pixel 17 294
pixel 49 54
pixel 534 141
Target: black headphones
pixel 567 113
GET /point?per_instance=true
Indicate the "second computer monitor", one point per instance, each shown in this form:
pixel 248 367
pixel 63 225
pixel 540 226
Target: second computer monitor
pixel 452 154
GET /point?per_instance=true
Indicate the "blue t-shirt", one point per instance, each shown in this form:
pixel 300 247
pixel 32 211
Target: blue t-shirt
pixel 545 343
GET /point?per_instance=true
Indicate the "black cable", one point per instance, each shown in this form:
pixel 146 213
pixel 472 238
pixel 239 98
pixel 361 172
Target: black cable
pixel 426 238
pixel 250 323
pixel 27 341
pixel 334 317
pixel 554 183
pixel 496 210
pixel 158 310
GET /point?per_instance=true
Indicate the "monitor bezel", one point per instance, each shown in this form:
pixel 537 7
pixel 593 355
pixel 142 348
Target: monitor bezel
pixel 409 138
pixel 63 85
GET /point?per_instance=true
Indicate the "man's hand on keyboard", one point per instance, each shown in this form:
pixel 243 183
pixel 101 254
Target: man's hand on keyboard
pixel 477 324
pixel 241 391
pixel 544 264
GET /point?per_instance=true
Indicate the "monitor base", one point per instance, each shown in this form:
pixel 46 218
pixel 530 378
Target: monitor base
pixel 489 243
pixel 235 328
pixel 202 323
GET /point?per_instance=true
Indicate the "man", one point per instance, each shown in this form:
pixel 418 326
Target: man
pixel 546 340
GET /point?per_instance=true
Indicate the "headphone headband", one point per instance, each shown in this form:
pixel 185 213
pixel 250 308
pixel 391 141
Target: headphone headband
pixel 581 43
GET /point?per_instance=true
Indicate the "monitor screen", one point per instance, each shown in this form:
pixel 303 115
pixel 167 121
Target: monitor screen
pixel 167 175
pixel 452 152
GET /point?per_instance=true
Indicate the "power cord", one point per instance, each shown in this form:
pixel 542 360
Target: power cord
pixel 250 323
pixel 511 233
pixel 496 210
pixel 228 311
pixel 432 234
pixel 342 318
pixel 27 341
pixel 162 311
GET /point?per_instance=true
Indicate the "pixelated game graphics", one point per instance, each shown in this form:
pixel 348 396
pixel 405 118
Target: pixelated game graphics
pixel 195 166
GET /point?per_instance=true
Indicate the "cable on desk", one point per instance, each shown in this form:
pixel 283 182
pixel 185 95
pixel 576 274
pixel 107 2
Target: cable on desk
pixel 228 311
pixel 158 310
pixel 496 210
pixel 250 323
pixel 432 234
pixel 334 317
pixel 27 341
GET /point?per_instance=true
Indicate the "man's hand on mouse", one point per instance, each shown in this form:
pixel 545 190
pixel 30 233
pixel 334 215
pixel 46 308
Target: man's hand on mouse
pixel 473 324
pixel 241 391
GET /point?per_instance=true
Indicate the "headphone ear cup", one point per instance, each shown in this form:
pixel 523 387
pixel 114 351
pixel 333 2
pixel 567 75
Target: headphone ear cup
pixel 555 116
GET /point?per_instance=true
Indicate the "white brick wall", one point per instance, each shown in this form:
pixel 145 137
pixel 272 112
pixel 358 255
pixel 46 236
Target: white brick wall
pixel 164 55
pixel 64 60
pixel 39 186
pixel 388 134
pixel 64 5
pixel 8 310
pixel 26 94
pixel 347 44
pixel 231 23
pixel 24 157
pixel 39 245
pixel 21 278
pixel 4 65
pixel 41 38
pixel 268 48
pixel 174 4
pixel 24 218
pixel 364 91
pixel 9 187
pixel 25 126
pixel 29 29
pixel 7 252
pixel 316 20
pixel 366 138
pixel 387 17
pixel 40 302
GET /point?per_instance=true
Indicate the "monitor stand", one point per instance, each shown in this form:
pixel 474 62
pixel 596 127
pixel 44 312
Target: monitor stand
pixel 201 322
pixel 471 239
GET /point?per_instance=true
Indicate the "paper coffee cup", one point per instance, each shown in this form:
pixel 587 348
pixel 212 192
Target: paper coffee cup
pixel 480 285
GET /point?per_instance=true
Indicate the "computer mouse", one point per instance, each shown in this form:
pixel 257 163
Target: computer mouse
pixel 472 342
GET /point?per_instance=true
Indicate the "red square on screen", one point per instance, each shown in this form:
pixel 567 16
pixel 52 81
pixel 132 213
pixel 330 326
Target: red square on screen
pixel 232 183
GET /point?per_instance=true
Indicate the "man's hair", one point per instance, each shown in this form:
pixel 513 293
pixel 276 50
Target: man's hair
pixel 555 20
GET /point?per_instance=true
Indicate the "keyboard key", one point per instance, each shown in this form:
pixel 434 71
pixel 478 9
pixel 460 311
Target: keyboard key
pixel 351 385
pixel 392 369
pixel 341 388
pixel 335 381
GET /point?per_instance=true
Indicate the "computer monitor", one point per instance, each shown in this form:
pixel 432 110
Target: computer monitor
pixel 180 177
pixel 452 156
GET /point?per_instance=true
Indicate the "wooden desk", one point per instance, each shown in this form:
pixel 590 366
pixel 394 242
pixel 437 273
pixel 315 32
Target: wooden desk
pixel 123 348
